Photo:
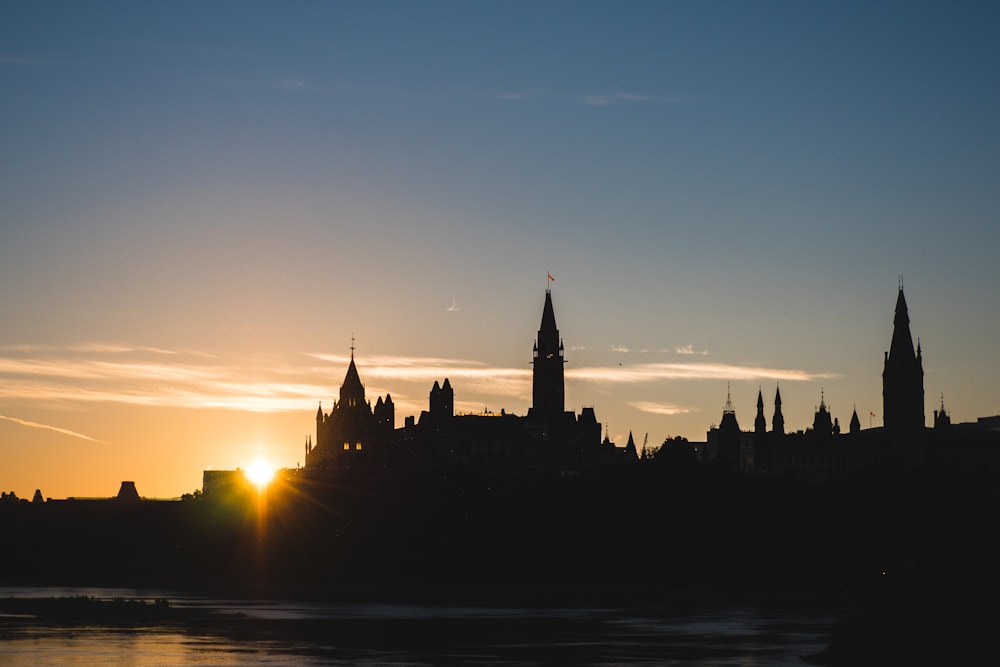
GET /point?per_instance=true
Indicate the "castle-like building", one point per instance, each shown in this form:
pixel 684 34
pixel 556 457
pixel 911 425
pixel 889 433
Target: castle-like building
pixel 357 435
pixel 824 451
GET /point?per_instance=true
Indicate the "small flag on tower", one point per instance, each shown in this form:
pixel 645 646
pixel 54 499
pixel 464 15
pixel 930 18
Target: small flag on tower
pixel 550 277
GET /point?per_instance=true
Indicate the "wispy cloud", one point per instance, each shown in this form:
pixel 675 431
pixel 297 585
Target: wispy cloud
pixel 149 376
pixel 64 431
pixel 662 408
pixel 24 61
pixel 428 369
pixel 117 348
pixel 609 99
pixel 142 375
pixel 453 308
pixel 655 372
pixel 621 349
pixel 296 86
pixel 689 349
pixel 578 348
pixel 515 96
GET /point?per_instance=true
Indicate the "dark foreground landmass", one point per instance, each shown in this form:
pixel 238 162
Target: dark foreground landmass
pixel 914 555
pixel 89 610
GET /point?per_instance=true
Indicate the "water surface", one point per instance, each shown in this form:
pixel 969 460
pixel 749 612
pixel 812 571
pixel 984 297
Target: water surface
pixel 307 633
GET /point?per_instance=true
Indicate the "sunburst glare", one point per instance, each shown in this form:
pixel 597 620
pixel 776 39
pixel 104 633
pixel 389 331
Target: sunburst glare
pixel 260 473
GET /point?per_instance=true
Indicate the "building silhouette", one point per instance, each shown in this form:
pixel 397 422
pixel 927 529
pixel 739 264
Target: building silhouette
pixel 356 436
pixel 823 451
pixel 353 427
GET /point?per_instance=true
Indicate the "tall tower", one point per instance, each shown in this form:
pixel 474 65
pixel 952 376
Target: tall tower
pixel 548 393
pixel 729 437
pixel 903 377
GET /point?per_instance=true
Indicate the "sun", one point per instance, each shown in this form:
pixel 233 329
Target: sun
pixel 260 473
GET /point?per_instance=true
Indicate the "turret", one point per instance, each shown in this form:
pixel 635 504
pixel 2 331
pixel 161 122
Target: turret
pixel 822 423
pixel 761 442
pixel 855 426
pixel 942 421
pixel 778 421
pixel 631 453
pixel 760 423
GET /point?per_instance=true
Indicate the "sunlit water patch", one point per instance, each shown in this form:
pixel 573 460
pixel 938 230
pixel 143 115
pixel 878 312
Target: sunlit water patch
pixel 283 632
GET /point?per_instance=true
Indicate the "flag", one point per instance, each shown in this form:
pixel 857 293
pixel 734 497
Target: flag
pixel 871 413
pixel 550 277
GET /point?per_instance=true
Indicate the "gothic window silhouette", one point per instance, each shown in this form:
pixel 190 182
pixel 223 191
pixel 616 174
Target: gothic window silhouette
pixel 357 446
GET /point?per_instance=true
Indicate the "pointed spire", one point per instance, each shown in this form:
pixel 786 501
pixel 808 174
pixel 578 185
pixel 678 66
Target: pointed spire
pixel 903 375
pixel 352 387
pixel 760 423
pixel 548 394
pixel 729 402
pixel 778 421
pixel 548 318
pixel 902 341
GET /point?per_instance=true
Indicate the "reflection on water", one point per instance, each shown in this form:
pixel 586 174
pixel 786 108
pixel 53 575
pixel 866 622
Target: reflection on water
pixel 141 648
pixel 281 632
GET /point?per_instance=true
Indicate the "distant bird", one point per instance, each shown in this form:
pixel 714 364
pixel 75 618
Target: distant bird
pixel 453 308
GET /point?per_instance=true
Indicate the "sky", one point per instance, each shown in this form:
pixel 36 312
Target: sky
pixel 202 204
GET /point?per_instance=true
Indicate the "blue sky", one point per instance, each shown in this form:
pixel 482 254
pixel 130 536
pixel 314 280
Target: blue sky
pixel 200 204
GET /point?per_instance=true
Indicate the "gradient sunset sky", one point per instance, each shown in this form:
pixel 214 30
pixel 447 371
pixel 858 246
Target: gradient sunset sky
pixel 202 202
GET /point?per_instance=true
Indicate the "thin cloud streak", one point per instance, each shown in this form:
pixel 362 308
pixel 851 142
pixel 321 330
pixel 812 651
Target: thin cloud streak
pixel 139 376
pixel 114 348
pixel 609 99
pixel 22 61
pixel 64 431
pixel 654 372
pixel 513 96
pixel 689 349
pixel 661 408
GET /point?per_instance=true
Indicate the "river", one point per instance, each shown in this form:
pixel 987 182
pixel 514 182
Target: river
pixel 306 633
